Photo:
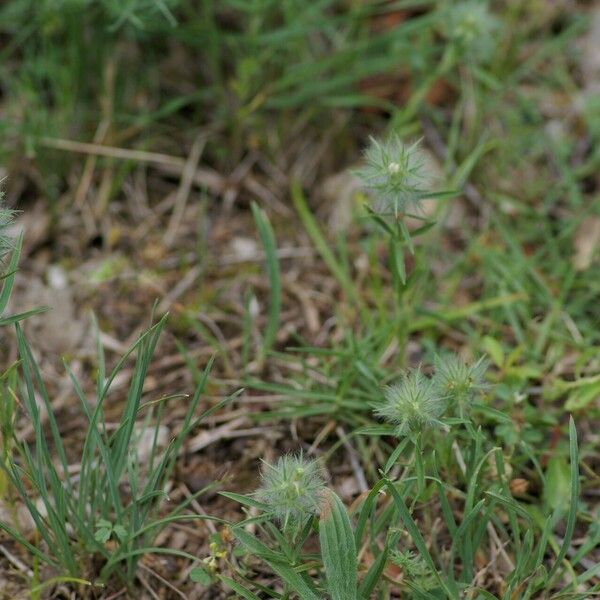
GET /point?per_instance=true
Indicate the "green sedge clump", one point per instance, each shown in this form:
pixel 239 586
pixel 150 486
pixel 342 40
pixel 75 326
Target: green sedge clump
pixel 394 175
pixel 413 404
pixel 292 489
pixel 458 381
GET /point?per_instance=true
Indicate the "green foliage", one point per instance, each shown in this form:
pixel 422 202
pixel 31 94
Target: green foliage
pixel 118 496
pixel 501 280
pixel 469 488
pixel 338 548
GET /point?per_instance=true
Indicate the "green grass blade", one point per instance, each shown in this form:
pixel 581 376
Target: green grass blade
pixel 269 244
pixel 315 234
pixel 572 515
pixel 417 538
pixel 241 591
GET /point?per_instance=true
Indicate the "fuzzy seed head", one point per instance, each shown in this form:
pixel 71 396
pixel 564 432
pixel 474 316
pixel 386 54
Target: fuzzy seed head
pixel 292 488
pixel 414 568
pixel 413 404
pixel 457 380
pixel 6 220
pixel 472 28
pixel 394 175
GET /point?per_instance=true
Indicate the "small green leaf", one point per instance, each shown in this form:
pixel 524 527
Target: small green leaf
pixel 102 535
pixel 494 350
pixel 120 532
pixel 103 523
pixel 583 396
pixel 200 575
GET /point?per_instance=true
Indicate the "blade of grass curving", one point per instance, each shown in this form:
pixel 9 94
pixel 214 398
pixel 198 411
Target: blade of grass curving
pixel 38 519
pixel 322 245
pixel 374 574
pixel 189 422
pixel 22 316
pixel 417 538
pixel 120 557
pixel 167 463
pixel 459 538
pixel 122 438
pixel 466 549
pixel 574 499
pixel 50 527
pixel 121 363
pixel 296 581
pixel 242 592
pixel 269 244
pixel 14 534
pixel 33 380
pixel 443 497
pixel 254 545
pixel 511 504
pixel 53 581
pixel 245 500
pixel 160 523
pixel 367 510
pixel 514 522
pixel 93 436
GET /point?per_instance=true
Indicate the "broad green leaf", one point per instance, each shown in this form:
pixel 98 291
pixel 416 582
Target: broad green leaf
pixel 338 549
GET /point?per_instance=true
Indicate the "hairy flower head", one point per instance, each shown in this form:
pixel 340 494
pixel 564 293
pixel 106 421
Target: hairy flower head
pixel 394 175
pixel 413 404
pixel 457 380
pixel 471 27
pixel 292 488
pixel 414 568
pixel 6 219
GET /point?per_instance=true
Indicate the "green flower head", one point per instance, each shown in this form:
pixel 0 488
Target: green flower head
pixel 6 220
pixel 413 404
pixel 292 488
pixel 394 175
pixel 471 27
pixel 457 380
pixel 414 568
